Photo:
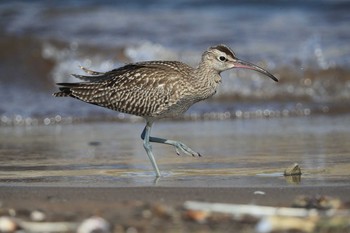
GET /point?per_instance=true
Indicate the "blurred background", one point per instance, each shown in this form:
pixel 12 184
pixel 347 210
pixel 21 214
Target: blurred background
pixel 304 43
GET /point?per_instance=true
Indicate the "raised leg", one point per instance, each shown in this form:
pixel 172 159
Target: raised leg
pixel 179 146
pixel 148 147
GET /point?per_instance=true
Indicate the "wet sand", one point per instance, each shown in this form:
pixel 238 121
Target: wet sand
pixel 80 170
pixel 235 153
pixel 90 200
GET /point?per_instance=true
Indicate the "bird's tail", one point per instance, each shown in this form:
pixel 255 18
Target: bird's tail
pixel 65 89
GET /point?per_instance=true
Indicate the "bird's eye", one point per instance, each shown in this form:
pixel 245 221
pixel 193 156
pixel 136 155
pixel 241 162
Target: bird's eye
pixel 222 58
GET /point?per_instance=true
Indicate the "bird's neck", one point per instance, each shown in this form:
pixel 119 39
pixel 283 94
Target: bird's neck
pixel 206 79
pixel 207 74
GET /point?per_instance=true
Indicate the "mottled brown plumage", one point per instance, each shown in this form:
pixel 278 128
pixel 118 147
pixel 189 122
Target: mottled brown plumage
pixel 156 89
pixel 153 89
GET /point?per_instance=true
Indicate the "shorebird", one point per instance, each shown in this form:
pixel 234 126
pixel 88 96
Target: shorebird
pixel 157 89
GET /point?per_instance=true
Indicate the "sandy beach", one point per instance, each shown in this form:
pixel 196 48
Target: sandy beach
pixel 124 208
pixel 72 172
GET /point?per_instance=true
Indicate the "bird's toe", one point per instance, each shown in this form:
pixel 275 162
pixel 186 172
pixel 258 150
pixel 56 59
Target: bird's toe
pixel 185 149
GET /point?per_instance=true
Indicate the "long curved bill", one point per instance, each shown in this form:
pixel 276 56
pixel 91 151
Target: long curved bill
pixel 247 65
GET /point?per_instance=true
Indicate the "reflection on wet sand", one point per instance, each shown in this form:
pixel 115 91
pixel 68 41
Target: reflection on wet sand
pixel 251 152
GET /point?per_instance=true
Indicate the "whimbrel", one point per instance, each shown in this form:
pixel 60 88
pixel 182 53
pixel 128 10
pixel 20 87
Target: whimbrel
pixel 157 89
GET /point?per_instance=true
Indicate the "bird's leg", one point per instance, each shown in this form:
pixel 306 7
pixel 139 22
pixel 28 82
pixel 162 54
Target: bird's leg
pixel 148 147
pixel 179 146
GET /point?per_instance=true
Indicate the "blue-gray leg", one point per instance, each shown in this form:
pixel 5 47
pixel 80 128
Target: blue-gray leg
pixel 148 147
pixel 179 146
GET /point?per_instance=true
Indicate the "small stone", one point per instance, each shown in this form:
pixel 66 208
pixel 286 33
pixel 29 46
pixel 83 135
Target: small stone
pixel 197 215
pixel 131 230
pixel 147 214
pixel 162 210
pixel 37 216
pixel 284 224
pixel 12 212
pixel 94 143
pixel 293 170
pixel 329 202
pixel 317 202
pixel 7 224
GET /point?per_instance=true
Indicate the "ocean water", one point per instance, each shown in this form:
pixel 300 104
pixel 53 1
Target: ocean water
pixel 304 43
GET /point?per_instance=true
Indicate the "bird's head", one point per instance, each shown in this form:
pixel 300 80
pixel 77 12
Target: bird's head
pixel 222 58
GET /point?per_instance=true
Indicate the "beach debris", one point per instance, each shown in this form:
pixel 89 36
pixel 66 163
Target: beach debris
pixel 41 227
pixel 147 214
pixel 335 224
pixel 94 224
pixel 12 212
pixel 314 214
pixel 293 170
pixel 37 216
pixel 241 210
pixel 162 210
pixel 317 202
pixel 196 215
pixel 131 230
pixel 7 224
pixel 308 214
pixel 292 174
pixel 259 192
pixel 278 223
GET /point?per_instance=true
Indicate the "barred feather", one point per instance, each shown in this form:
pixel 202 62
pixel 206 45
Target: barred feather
pixel 143 89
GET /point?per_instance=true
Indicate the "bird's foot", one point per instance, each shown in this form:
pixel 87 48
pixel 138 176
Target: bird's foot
pixel 179 146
